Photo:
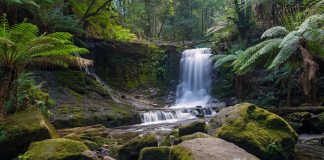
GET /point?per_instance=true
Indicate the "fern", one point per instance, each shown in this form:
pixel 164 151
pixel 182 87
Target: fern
pixel 285 52
pixel 224 60
pixel 274 32
pixel 271 47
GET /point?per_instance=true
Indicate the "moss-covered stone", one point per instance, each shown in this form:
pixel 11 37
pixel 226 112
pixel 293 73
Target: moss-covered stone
pixel 171 138
pixel 193 136
pixel 155 153
pixel 197 126
pixel 258 131
pixel 181 153
pixel 73 136
pixel 58 149
pixel 20 129
pixel 298 116
pixel 131 149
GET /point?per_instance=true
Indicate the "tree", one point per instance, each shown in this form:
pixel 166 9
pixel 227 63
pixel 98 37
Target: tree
pixel 281 46
pixel 22 46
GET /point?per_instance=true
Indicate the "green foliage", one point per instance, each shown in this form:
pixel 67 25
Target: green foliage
pixel 277 51
pixel 30 94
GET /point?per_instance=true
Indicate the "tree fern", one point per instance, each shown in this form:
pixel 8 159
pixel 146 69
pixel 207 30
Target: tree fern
pixel 278 31
pixel 269 48
pixel 286 51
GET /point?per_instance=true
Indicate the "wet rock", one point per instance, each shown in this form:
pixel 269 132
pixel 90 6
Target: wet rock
pixel 256 130
pixel 209 148
pixel 315 124
pixel 197 126
pixel 307 152
pixel 21 129
pixel 89 155
pixel 156 153
pixel 131 149
pixel 58 149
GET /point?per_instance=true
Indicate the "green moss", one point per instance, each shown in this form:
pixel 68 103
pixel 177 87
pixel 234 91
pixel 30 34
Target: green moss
pixel 299 116
pixel 197 126
pixel 20 129
pixel 73 136
pixel 58 149
pixel 74 80
pixel 260 132
pixel 181 153
pixel 156 153
pixel 131 150
pixel 194 136
pixel 171 138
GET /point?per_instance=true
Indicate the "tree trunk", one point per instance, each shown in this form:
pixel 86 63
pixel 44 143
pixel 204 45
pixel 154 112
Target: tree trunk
pixel 290 79
pixel 5 84
pixel 309 74
pixel 238 87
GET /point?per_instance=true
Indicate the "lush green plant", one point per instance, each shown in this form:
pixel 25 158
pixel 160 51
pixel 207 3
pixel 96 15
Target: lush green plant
pixel 280 45
pixel 21 45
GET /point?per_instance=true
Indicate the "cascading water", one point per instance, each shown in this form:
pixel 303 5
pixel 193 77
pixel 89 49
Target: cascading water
pixel 193 91
pixel 194 88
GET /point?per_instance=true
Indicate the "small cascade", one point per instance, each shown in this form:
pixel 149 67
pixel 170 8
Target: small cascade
pixel 165 116
pixel 89 70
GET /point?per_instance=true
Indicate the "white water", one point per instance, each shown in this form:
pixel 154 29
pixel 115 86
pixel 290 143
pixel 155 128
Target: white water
pixel 193 90
pixel 195 83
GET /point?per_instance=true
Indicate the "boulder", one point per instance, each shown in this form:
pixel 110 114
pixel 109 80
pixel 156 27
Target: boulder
pixel 19 130
pixel 131 149
pixel 256 130
pixel 208 148
pixel 197 126
pixel 155 153
pixel 315 124
pixel 58 149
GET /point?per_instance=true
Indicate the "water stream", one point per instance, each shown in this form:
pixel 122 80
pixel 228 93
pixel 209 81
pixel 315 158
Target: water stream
pixel 193 92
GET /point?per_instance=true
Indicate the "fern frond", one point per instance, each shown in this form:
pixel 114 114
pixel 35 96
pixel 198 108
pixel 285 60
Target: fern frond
pixel 284 54
pixel 312 22
pixel 218 56
pixel 292 37
pixel 256 58
pixel 247 54
pixel 224 60
pixel 278 31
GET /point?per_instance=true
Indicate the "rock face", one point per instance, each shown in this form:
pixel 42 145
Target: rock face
pixel 58 149
pixel 306 122
pixel 256 130
pixel 81 101
pixel 197 126
pixel 20 129
pixel 209 149
pixel 131 150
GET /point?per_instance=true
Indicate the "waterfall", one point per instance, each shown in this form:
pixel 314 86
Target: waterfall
pixel 193 90
pixel 195 83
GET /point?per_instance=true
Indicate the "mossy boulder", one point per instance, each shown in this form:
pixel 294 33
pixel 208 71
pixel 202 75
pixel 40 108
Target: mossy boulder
pixel 171 138
pixel 181 153
pixel 155 153
pixel 56 149
pixel 298 116
pixel 197 126
pixel 256 130
pixel 19 130
pixel 131 149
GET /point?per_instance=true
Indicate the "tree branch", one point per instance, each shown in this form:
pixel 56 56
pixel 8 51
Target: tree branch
pixel 86 16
